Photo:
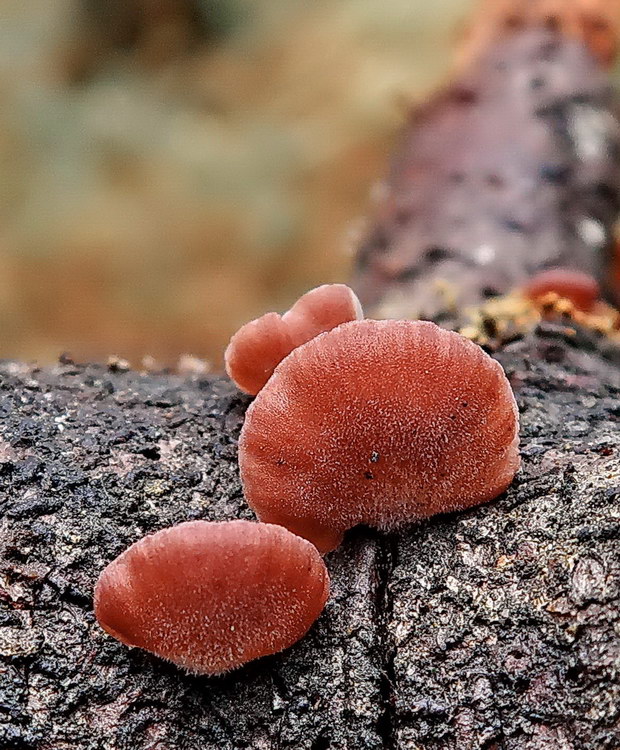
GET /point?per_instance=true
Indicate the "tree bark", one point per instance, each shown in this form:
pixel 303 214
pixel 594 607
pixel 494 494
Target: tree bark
pixel 513 168
pixel 494 628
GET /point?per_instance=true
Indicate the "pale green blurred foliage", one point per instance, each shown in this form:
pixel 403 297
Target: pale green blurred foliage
pixel 154 196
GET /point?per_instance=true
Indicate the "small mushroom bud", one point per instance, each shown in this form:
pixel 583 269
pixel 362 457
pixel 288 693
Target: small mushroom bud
pixel 577 287
pixel 321 310
pixel 256 350
pixel 259 346
pixel 381 423
pixel 210 597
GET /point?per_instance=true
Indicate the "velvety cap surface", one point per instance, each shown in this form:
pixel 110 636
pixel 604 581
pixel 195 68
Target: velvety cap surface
pixel 260 345
pixel 212 596
pixel 378 422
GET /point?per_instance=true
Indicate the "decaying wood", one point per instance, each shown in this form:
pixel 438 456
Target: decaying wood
pixel 499 625
pixel 595 23
pixel 494 628
pixel 513 168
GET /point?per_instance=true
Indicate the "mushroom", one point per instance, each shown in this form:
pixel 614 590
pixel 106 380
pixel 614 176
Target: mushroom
pixel 260 345
pixel 210 596
pixel 578 287
pixel 381 423
pixel 321 310
pixel 256 350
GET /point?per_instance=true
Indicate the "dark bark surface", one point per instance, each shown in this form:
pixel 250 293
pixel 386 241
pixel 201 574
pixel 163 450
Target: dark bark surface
pixel 498 627
pixel 90 461
pixel 513 168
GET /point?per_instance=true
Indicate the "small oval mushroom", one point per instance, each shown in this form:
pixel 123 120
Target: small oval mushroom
pixel 260 345
pixel 210 597
pixel 381 423
pixel 578 287
pixel 321 310
pixel 256 350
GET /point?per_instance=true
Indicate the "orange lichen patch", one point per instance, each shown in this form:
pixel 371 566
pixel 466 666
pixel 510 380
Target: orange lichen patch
pixel 574 296
pixel 210 597
pixel 511 316
pixel 615 268
pixel 580 288
pixel 603 319
pixel 378 422
pixel 595 22
pixel 259 346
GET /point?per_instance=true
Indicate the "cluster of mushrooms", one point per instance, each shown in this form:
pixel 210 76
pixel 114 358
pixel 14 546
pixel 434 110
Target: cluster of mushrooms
pixel 355 421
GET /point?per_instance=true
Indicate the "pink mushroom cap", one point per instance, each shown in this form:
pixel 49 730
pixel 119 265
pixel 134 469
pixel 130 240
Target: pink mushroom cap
pixel 578 287
pixel 321 310
pixel 210 597
pixel 381 423
pixel 260 345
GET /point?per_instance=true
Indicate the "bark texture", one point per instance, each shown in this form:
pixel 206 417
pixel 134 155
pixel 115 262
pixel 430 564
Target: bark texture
pixel 498 627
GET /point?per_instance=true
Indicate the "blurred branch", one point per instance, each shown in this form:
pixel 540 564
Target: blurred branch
pixel 153 31
pixel 513 168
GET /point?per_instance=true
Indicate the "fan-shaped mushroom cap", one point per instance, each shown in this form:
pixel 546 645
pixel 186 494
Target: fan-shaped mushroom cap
pixel 320 310
pixel 378 422
pixel 259 346
pixel 578 287
pixel 212 596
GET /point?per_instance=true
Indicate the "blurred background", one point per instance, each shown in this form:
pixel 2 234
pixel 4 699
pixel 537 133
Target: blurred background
pixel 173 168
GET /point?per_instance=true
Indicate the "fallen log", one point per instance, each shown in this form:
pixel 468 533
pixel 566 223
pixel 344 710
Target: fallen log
pixel 494 628
pixel 513 168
